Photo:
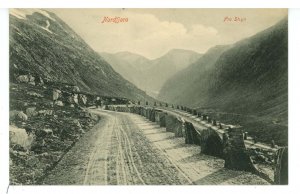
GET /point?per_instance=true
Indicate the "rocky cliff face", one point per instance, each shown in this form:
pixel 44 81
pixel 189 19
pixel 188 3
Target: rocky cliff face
pixel 42 45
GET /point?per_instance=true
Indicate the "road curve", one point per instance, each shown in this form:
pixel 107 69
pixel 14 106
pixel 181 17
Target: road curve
pixel 127 149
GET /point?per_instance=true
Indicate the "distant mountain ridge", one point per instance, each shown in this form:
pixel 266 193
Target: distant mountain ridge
pixel 150 75
pixel 41 43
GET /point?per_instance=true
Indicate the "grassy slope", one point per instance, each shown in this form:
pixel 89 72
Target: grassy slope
pixel 247 84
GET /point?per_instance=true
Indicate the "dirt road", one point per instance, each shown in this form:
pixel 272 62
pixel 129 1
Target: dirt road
pixel 126 149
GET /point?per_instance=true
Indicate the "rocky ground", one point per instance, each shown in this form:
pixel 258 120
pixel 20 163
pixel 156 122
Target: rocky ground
pixel 41 131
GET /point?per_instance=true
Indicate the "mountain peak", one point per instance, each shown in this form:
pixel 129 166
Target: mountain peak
pixel 130 55
pixel 23 13
pixel 178 50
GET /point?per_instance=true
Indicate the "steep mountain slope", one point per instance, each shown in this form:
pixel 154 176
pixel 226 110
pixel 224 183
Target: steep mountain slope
pixel 253 76
pixel 131 66
pixel 42 44
pixel 167 65
pixel 135 60
pixel 242 78
pixel 187 81
pixel 248 79
pixel 150 75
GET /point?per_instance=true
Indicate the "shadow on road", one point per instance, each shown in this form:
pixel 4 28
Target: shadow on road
pixel 217 177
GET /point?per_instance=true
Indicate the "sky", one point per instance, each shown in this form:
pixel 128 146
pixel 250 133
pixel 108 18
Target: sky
pixel 153 32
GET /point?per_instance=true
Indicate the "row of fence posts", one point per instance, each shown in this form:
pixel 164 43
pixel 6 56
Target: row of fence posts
pixel 281 160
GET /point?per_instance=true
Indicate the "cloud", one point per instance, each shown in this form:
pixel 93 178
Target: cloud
pixel 202 31
pixel 153 32
pixel 143 33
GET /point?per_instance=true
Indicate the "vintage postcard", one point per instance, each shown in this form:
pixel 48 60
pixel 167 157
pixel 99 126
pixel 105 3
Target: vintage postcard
pixel 148 96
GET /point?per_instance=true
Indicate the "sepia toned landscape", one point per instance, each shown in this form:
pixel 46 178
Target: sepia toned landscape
pixel 148 97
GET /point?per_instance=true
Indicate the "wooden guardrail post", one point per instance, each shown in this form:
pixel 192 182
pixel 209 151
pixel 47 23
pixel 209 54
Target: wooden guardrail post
pixel 235 153
pixel 281 167
pixel 162 119
pixel 191 136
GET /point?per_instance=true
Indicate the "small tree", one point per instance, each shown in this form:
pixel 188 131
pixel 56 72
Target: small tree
pixel 146 103
pixel 154 103
pixel 139 102
pixel 167 105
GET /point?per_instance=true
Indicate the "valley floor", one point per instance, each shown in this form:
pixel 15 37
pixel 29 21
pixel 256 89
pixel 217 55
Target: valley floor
pixel 127 149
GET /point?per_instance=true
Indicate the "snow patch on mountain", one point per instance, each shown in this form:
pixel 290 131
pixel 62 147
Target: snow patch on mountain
pixel 23 13
pixel 47 27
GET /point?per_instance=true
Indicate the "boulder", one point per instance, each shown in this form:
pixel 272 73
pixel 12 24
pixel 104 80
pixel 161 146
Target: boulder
pixel 81 131
pixel 45 112
pixel 31 80
pixel 73 99
pixel 83 99
pixel 23 79
pixel 22 116
pixel 75 96
pixel 76 123
pixel 76 89
pixel 48 131
pixel 31 112
pixel 45 154
pixel 71 88
pixel 17 115
pixel 20 137
pixel 56 94
pixel 59 103
pixel 35 94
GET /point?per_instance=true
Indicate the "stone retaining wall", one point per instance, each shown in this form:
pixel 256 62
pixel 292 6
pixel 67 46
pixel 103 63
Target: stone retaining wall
pixel 229 145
